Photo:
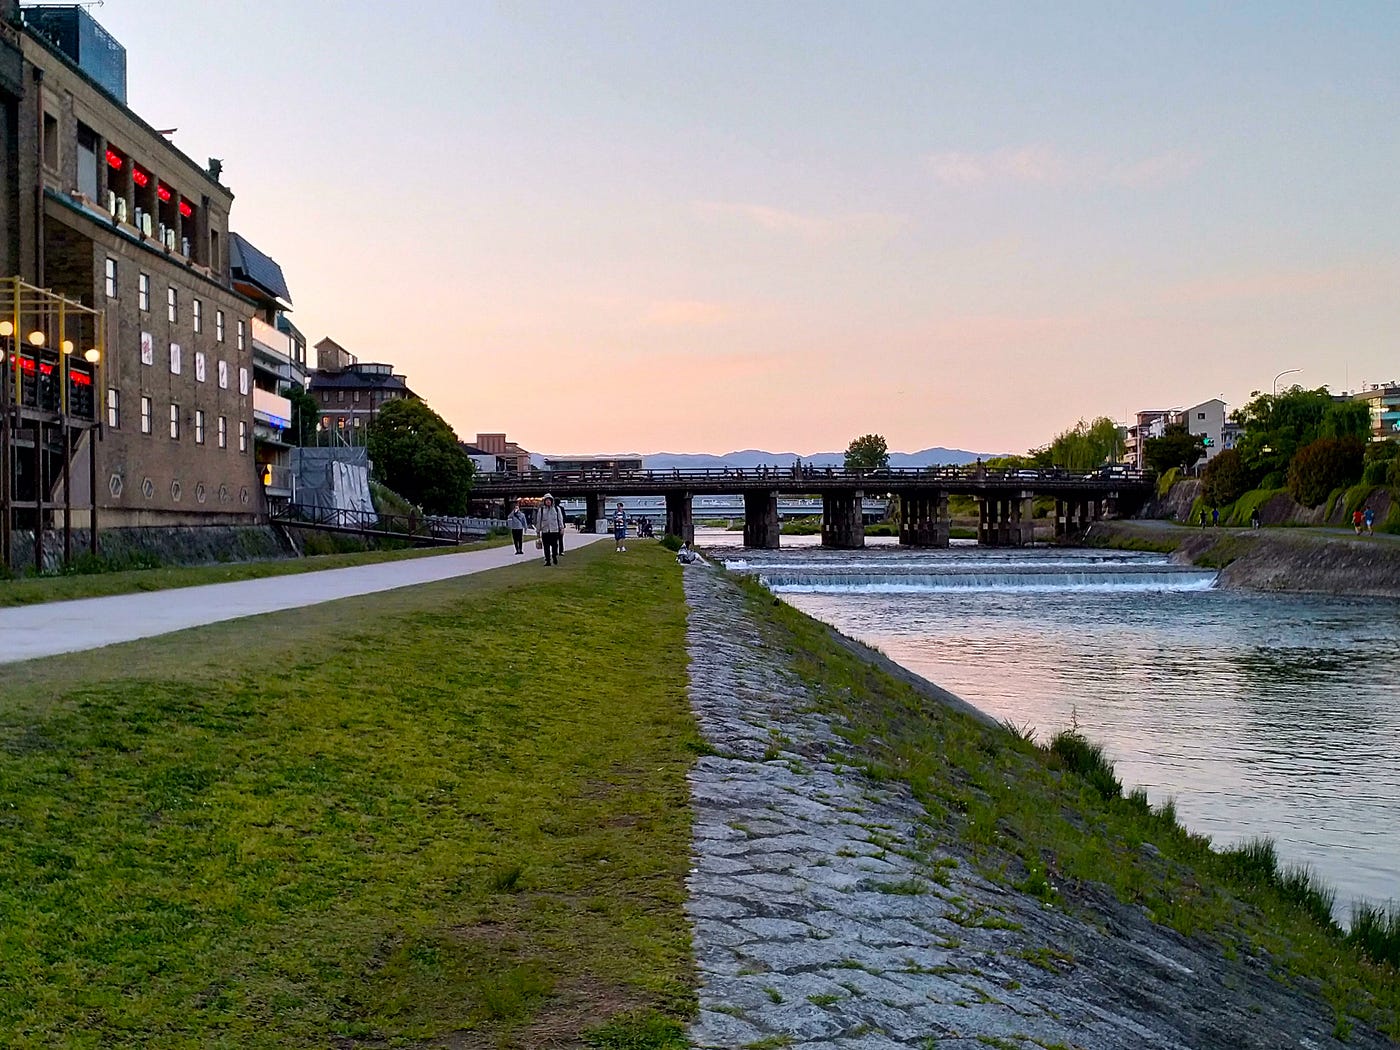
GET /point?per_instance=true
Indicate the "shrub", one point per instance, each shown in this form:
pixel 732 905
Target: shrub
pixel 1080 755
pixel 1323 466
pixel 1225 479
pixel 671 542
pixel 1376 931
pixel 1377 473
pixel 1393 478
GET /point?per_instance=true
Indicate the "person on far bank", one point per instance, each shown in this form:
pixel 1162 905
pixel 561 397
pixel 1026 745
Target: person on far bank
pixel 549 526
pixel 1215 517
pixel 620 526
pixel 1357 520
pixel 516 522
pixel 1254 521
pixel 1370 519
pixel 1203 517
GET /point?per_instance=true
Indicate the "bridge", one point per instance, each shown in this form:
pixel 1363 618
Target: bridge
pixel 1003 497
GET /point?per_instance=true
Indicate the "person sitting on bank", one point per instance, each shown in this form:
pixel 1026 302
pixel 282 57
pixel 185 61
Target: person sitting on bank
pixel 686 556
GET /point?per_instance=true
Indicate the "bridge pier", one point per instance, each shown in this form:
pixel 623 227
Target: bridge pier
pixel 1074 516
pixel 762 527
pixel 843 523
pixel 923 519
pixel 596 509
pixel 679 520
pixel 1005 521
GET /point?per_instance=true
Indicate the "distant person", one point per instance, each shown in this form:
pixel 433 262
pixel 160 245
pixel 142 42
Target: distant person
pixel 517 524
pixel 1254 521
pixel 686 556
pixel 1203 517
pixel 1215 517
pixel 549 527
pixel 620 527
pixel 1370 518
pixel 1357 520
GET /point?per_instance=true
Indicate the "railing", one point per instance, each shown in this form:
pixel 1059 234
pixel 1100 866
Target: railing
pixel 421 528
pixel 890 476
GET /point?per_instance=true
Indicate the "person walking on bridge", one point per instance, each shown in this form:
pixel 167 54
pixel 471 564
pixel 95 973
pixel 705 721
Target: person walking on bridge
pixel 516 522
pixel 549 527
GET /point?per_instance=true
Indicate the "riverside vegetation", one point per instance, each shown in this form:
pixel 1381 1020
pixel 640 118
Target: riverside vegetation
pixel 451 811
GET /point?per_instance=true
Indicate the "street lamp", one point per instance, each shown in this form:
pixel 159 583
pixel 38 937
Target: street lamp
pixel 1286 372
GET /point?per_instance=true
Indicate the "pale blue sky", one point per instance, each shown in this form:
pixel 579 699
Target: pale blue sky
pixel 710 226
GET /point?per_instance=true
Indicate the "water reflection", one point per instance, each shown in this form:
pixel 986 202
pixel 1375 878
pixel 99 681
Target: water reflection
pixel 1259 714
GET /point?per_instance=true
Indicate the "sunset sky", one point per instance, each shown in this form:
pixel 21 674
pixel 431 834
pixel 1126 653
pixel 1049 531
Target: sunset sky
pixel 711 226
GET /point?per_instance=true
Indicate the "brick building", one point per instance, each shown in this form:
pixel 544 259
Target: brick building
pixel 350 392
pixel 103 209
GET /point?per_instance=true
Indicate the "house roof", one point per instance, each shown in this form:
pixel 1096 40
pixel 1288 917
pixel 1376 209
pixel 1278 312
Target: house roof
pixel 253 267
pixel 354 379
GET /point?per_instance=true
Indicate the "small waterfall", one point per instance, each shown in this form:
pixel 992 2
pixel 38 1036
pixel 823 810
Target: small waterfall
pixel 1011 577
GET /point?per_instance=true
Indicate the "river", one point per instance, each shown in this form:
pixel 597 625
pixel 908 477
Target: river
pixel 1260 714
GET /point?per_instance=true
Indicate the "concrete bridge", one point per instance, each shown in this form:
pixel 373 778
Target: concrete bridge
pixel 1003 496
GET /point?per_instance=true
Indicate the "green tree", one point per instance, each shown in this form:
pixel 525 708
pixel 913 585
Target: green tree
pixel 1177 447
pixel 415 453
pixel 1086 445
pixel 1225 479
pixel 1278 425
pixel 867 453
pixel 1323 465
pixel 305 415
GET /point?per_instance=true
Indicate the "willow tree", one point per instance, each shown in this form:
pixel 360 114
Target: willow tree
pixel 1086 445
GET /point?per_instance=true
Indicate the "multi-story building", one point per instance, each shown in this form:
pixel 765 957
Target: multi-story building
pixel 279 363
pixel 1138 432
pixel 103 209
pixel 510 457
pixel 1208 420
pixel 349 392
pixel 1383 399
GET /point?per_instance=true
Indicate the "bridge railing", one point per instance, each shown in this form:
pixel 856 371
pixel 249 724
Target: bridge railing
pixel 890 477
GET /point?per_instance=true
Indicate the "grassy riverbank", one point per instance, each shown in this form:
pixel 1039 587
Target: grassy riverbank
pixel 1052 823
pixel 452 812
pixel 32 590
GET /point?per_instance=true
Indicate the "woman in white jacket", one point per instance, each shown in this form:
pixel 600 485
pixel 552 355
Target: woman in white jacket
pixel 549 527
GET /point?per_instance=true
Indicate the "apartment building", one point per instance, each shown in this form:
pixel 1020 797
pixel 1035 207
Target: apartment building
pixel 103 209
pixel 1383 400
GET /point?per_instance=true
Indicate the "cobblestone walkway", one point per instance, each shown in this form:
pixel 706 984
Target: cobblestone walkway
pixel 823 918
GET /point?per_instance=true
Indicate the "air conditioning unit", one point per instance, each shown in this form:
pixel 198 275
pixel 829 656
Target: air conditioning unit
pixel 146 224
pixel 121 209
pixel 112 202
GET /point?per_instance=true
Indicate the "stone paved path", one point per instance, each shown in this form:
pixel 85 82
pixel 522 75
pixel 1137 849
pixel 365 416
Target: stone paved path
pixel 31 631
pixel 824 917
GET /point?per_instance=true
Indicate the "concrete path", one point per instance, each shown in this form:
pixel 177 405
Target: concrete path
pixel 32 631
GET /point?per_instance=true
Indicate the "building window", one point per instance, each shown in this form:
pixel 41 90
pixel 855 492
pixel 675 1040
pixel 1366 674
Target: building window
pixel 145 415
pixel 242 436
pixel 223 375
pixel 175 358
pixel 111 274
pixel 357 397
pixel 240 335
pixel 243 381
pixel 87 162
pixel 175 422
pixel 223 432
pixel 114 416
pixel 172 309
pixel 356 422
pixel 199 426
pixel 50 141
pixel 199 366
pixel 219 325
pixel 340 395
pixel 198 308
pixel 143 292
pixel 1200 415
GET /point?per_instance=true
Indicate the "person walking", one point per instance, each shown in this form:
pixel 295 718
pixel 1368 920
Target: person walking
pixel 1370 519
pixel 620 526
pixel 517 523
pixel 549 527
pixel 1254 521
pixel 1357 520
pixel 1215 517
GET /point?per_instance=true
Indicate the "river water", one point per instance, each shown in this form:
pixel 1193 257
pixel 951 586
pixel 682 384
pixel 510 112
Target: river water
pixel 1259 714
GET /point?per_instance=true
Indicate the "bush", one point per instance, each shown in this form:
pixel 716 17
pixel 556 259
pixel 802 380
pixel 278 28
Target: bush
pixel 1225 479
pixel 671 542
pixel 1377 473
pixel 1322 467
pixel 1393 478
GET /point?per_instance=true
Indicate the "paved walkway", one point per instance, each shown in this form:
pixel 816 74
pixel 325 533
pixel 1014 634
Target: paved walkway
pixel 32 631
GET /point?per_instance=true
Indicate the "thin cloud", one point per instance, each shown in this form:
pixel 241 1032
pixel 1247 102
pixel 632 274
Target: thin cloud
pixel 687 313
pixel 815 229
pixel 1046 166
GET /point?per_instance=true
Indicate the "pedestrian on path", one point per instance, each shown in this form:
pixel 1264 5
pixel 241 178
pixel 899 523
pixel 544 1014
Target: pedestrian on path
pixel 1215 517
pixel 1357 520
pixel 516 522
pixel 549 527
pixel 1370 518
pixel 1254 521
pixel 620 527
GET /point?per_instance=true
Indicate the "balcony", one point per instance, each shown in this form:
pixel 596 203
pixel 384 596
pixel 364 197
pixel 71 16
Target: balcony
pixel 271 409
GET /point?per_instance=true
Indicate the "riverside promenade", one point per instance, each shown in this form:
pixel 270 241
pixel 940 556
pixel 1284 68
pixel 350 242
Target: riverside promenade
pixel 32 631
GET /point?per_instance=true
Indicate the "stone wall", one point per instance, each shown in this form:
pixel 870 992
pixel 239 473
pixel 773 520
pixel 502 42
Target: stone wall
pixel 193 545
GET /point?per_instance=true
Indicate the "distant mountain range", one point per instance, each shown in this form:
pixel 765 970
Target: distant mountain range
pixel 929 457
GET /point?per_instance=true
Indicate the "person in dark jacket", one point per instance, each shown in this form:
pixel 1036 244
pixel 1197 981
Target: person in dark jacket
pixel 549 527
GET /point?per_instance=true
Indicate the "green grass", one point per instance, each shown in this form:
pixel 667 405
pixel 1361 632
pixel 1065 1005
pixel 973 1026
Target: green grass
pixel 811 526
pixel 33 590
pixel 459 807
pixel 1053 821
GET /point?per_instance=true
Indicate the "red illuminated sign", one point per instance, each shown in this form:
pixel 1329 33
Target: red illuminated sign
pixel 163 191
pixel 185 209
pixel 138 176
pixel 114 160
pixel 80 378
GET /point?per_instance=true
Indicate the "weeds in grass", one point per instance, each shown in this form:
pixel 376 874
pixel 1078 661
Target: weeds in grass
pixel 640 1030
pixel 1082 756
pixel 1375 929
pixel 510 994
pixel 505 880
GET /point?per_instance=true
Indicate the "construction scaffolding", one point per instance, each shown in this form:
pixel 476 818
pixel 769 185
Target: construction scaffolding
pixel 52 353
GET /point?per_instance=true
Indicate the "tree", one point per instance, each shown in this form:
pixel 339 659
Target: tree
pixel 1323 465
pixel 1086 445
pixel 305 415
pixel 1177 447
pixel 867 453
pixel 1225 479
pixel 1278 425
pixel 415 452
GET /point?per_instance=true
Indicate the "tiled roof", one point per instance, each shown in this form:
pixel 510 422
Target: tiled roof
pixel 253 266
pixel 351 378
